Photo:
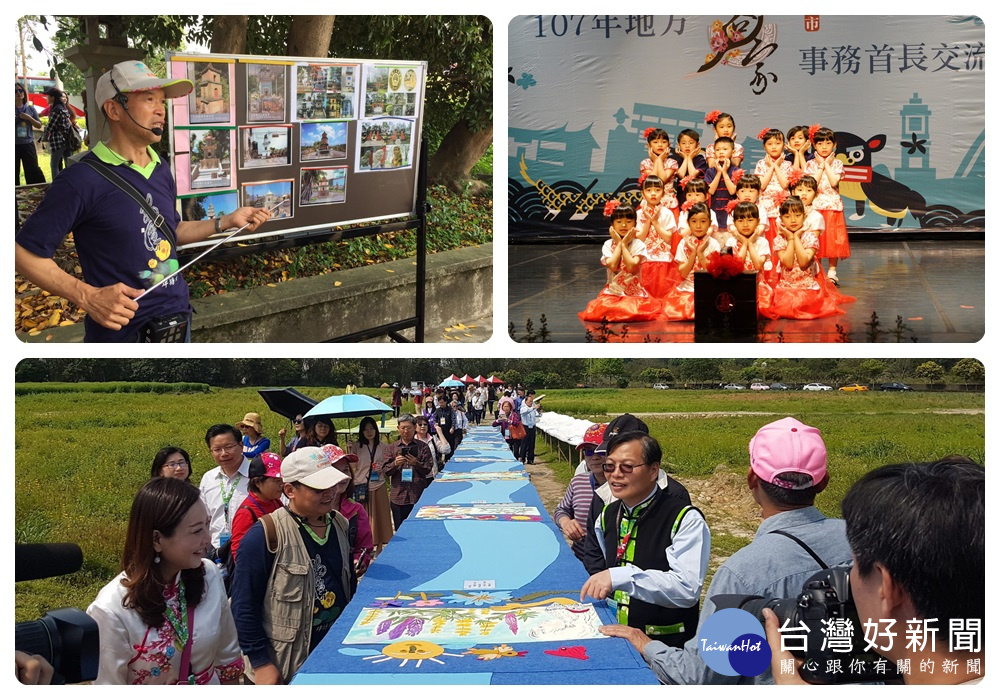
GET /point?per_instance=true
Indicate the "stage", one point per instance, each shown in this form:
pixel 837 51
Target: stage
pixel 937 287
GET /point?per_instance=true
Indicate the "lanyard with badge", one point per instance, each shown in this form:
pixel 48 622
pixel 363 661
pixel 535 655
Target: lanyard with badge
pixel 225 535
pixel 373 474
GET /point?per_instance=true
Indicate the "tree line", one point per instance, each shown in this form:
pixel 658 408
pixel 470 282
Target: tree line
pixel 540 373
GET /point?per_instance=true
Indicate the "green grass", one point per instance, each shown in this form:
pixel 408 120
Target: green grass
pixel 82 456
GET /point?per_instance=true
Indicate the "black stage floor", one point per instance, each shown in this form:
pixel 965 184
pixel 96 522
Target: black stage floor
pixel 938 287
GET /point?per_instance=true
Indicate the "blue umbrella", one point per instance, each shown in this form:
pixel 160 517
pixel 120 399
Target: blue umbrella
pixel 349 406
pixel 451 383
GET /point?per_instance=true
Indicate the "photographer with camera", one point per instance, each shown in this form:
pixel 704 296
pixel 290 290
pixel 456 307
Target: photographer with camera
pixel 408 464
pixel 794 541
pixel 917 533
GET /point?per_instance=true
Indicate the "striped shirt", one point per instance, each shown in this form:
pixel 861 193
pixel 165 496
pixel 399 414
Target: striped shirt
pixel 576 504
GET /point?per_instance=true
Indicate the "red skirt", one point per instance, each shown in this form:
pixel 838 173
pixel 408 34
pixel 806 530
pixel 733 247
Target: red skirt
pixel 770 232
pixel 833 243
pixel 805 303
pixel 660 278
pixel 678 306
pixel 616 309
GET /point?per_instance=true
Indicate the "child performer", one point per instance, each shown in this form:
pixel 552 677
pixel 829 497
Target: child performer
pixel 798 292
pixel 748 190
pixel 773 171
pixel 689 155
pixel 798 147
pixel 828 171
pixel 623 297
pixel 692 254
pixel 749 244
pixel 656 226
pixel 661 164
pixel 724 126
pixel 695 190
pixel 722 180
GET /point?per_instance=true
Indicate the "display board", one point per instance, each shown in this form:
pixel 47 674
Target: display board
pixel 322 142
pixel 904 94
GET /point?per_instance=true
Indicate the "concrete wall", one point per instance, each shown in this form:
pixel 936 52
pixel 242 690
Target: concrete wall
pixel 314 309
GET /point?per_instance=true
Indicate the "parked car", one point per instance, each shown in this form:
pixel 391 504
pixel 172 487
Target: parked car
pixel 758 386
pixel 661 386
pixel 896 386
pixel 734 387
pixel 854 387
pixel 778 386
pixel 816 386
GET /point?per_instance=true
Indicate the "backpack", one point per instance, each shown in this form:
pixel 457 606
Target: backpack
pixel 225 553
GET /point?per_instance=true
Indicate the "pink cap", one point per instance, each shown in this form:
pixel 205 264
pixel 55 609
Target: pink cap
pixel 593 437
pixel 335 454
pixel 788 445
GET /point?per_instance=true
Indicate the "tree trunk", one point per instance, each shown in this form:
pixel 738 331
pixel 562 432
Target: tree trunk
pixel 229 34
pixel 309 35
pixel 460 150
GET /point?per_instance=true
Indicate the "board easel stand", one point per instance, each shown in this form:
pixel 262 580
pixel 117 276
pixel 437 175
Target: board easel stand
pixel 418 221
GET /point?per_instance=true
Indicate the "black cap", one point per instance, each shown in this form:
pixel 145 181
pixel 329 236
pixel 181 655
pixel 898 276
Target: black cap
pixel 621 424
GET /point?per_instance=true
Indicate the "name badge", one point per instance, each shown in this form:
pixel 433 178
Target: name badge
pixel 407 474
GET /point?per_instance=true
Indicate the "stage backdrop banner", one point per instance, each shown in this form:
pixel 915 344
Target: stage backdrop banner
pixel 904 94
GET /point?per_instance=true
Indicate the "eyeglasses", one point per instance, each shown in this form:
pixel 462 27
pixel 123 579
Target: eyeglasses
pixel 182 464
pixel 297 421
pixel 226 448
pixel 609 467
pixel 589 453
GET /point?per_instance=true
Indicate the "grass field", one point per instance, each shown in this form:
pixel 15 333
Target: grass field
pixel 82 455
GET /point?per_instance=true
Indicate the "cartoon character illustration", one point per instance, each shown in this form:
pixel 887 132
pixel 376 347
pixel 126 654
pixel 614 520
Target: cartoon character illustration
pixel 863 183
pixel 495 653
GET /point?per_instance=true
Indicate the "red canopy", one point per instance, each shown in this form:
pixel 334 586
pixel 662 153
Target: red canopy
pixel 467 379
pixel 455 377
pixel 479 379
pixel 493 380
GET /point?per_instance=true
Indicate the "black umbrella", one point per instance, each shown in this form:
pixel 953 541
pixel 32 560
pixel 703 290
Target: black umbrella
pixel 286 402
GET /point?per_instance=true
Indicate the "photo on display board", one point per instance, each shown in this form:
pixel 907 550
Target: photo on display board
pixel 204 207
pixel 391 90
pixel 325 91
pixel 322 141
pixel 209 102
pixel 209 158
pixel 273 195
pixel 385 144
pixel 323 186
pixel 265 146
pixel 265 92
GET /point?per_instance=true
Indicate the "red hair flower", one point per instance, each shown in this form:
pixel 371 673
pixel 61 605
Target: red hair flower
pixel 813 128
pixel 712 117
pixel 794 175
pixel 760 134
pixel 610 206
pixel 686 180
pixel 647 132
pixel 781 196
pixel 687 205
pixel 732 205
pixel 642 178
pixel 738 175
pixel 723 266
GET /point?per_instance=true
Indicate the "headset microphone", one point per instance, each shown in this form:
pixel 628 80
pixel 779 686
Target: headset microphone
pixel 122 99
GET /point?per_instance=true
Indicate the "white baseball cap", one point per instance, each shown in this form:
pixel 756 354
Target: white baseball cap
pixel 311 466
pixel 135 76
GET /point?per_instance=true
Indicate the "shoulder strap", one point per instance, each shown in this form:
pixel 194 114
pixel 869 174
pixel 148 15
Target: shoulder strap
pixel 270 533
pixel 125 186
pixel 822 564
pixel 677 520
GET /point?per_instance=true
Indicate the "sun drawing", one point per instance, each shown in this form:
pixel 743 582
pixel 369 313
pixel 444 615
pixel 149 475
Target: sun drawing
pixel 410 651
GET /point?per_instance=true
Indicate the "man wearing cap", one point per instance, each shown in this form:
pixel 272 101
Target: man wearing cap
pixel 295 575
pixel 122 249
pixel 571 513
pixel 593 556
pixel 655 546
pixel 794 541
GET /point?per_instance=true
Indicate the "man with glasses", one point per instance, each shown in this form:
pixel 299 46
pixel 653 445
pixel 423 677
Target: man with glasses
pixel 295 575
pixel 408 462
pixel 224 488
pixel 656 547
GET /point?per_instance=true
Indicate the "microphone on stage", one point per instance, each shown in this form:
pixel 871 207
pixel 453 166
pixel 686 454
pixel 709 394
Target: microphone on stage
pixel 35 561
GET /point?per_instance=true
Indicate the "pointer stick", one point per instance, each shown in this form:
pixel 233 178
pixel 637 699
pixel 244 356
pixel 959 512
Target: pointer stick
pixel 203 254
